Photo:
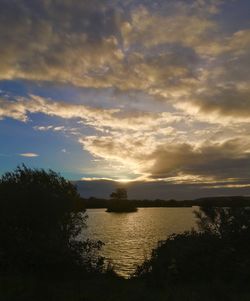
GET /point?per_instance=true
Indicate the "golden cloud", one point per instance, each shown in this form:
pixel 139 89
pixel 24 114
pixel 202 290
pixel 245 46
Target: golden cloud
pixel 29 155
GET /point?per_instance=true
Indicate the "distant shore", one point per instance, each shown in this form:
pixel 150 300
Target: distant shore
pixel 92 203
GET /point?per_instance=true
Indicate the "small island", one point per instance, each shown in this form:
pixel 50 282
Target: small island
pixel 119 202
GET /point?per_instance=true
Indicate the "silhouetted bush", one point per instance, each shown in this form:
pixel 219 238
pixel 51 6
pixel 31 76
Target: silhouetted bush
pixel 218 251
pixel 40 223
pixel 227 223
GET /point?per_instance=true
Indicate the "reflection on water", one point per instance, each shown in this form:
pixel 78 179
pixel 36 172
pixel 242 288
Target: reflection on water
pixel 130 237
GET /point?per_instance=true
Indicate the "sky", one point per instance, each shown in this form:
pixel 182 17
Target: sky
pixel 149 92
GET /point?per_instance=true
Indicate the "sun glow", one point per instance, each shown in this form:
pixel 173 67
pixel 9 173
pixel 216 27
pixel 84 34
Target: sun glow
pixel 124 180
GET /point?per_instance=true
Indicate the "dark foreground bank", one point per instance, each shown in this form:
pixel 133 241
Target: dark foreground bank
pixel 111 288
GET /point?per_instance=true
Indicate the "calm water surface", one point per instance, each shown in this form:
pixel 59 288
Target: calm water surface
pixel 130 237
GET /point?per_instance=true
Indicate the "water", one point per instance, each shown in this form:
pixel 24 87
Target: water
pixel 130 237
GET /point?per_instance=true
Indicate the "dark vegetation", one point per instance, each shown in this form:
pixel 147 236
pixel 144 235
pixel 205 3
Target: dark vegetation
pixel 42 256
pixel 40 222
pixel 218 252
pixel 119 202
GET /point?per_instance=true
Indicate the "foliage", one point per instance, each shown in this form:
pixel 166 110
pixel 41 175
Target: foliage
pixel 219 251
pixel 224 222
pixel 106 288
pixel 119 195
pixel 119 202
pixel 40 222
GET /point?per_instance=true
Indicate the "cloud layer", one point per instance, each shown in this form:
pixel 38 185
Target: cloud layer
pixel 187 67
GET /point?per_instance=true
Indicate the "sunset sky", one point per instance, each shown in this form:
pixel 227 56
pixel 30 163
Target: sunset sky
pixel 149 91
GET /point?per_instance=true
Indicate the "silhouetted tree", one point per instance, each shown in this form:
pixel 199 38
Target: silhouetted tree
pixel 119 195
pixel 40 222
pixel 119 202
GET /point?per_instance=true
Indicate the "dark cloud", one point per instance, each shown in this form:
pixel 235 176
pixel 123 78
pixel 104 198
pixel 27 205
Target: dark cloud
pixel 159 189
pixel 85 43
pixel 47 40
pixel 217 161
pixel 225 101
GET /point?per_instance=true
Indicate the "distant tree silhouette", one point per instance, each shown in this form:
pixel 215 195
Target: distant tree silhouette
pixel 40 221
pixel 119 202
pixel 119 195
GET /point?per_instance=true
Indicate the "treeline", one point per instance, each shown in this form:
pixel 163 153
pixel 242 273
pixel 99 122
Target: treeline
pixel 234 201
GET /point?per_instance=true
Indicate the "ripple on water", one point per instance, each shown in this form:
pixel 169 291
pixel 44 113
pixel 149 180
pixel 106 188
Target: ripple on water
pixel 130 237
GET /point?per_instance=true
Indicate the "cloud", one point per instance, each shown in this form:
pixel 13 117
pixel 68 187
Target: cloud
pixel 15 110
pixel 179 24
pixel 220 104
pixel 148 144
pixel 158 189
pixel 42 41
pixel 117 119
pixel 87 44
pixel 176 161
pixel 50 127
pixel 29 155
pixel 44 128
pixel 64 151
pixel 176 52
pixel 20 109
pixel 119 150
pixel 229 159
pixel 190 74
